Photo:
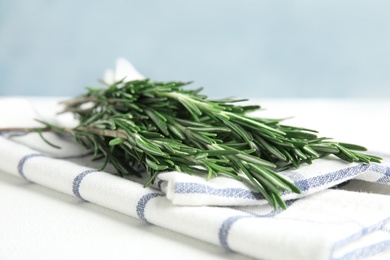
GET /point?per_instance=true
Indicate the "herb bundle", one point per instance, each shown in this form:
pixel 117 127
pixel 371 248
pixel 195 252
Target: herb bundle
pixel 162 126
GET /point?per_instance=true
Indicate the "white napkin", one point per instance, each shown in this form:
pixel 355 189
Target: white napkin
pixel 332 224
pixel 329 224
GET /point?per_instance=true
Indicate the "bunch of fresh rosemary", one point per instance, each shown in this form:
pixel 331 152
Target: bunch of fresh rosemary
pixel 164 127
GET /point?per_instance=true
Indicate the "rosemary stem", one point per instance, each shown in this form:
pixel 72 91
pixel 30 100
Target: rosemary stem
pixel 77 101
pixel 103 132
pixel 30 129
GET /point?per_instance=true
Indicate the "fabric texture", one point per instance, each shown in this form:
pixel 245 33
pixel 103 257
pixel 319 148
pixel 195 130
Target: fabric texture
pixel 320 223
pixel 331 224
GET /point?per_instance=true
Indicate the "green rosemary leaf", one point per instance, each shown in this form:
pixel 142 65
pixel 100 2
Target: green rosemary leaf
pixel 293 158
pixel 238 130
pixel 149 134
pixel 285 181
pixel 186 122
pixel 209 129
pixel 200 138
pixel 353 147
pixel 260 126
pixel 154 165
pixel 266 182
pixel 344 157
pixel 259 186
pixel 251 108
pixel 104 124
pixel 271 149
pixel 219 152
pixel 176 131
pixel 153 175
pixel 115 141
pixel 362 157
pixel 46 141
pixel 310 151
pixel 279 201
pixel 149 147
pixel 191 107
pixel 299 153
pixel 347 153
pixel 324 148
pixel 272 178
pixel 159 120
pixel 255 160
pixel 373 158
pixel 299 134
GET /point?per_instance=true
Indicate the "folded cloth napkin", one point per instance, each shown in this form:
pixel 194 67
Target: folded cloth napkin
pixel 331 224
pixel 322 224
pixel 193 190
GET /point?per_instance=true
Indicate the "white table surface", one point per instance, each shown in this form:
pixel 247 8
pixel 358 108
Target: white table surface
pixel 39 223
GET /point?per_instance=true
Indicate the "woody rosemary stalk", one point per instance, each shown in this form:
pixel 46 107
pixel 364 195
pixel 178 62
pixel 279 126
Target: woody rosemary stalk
pixel 164 127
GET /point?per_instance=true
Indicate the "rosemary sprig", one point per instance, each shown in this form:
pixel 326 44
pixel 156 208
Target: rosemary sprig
pixel 164 127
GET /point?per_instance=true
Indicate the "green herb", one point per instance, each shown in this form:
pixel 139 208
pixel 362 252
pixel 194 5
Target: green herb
pixel 165 127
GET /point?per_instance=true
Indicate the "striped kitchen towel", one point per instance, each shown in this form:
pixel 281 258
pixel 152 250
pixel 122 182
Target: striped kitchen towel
pixel 329 224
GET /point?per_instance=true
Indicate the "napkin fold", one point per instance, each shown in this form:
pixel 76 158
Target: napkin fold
pixel 320 223
pixel 194 190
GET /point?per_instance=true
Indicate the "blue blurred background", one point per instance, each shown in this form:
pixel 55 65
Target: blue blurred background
pixel 242 48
